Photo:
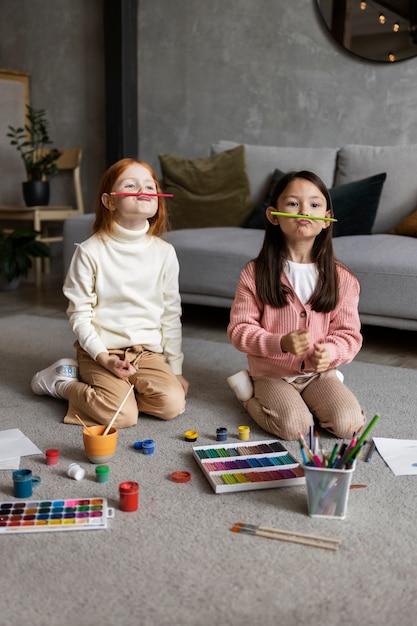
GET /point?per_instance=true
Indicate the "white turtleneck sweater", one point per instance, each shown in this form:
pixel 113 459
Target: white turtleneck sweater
pixel 123 291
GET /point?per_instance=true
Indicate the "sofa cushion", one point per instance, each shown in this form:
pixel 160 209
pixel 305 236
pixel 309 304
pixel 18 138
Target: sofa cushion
pixel 261 161
pixel 408 226
pixel 211 261
pixel 399 196
pixel 210 191
pixel 385 267
pixel 355 205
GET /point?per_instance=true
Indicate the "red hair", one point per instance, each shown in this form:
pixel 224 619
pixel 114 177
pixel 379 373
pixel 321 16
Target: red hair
pixel 103 223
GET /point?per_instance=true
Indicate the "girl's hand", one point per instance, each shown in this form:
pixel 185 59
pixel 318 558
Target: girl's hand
pixel 320 358
pixel 296 342
pixel 184 383
pixel 121 369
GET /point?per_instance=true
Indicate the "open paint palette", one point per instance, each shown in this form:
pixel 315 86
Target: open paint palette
pixel 47 515
pixel 253 465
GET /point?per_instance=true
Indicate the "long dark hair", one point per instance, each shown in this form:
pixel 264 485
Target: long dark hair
pixel 270 263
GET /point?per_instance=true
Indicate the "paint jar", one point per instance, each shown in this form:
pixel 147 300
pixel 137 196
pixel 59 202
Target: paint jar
pixel 221 434
pixel 23 482
pixel 52 456
pixel 75 471
pixel 191 435
pixel 102 473
pixel 129 496
pixel 327 491
pixel 244 432
pixel 148 446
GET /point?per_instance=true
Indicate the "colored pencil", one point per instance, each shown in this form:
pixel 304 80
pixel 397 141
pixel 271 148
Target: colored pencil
pixel 370 452
pixel 362 438
pixel 113 419
pixel 279 534
pixel 128 193
pixel 308 217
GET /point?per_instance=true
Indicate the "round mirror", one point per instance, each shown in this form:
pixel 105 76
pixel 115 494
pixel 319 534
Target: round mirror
pixel 378 31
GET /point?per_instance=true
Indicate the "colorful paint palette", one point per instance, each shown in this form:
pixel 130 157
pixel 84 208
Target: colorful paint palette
pixel 54 515
pixel 254 465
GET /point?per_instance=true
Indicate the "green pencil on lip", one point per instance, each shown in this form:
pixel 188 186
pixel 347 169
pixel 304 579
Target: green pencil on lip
pixel 363 437
pixel 307 217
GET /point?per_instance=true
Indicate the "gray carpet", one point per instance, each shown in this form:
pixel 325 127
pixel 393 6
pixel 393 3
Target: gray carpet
pixel 175 561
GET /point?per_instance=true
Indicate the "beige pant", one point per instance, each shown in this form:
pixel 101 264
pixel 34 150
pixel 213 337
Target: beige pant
pixel 99 395
pixel 286 409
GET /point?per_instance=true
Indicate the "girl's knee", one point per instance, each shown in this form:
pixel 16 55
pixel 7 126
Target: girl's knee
pixel 344 426
pixel 175 405
pixel 287 427
pixel 127 419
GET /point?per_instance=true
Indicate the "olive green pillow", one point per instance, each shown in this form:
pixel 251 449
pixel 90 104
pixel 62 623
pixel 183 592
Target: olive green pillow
pixel 408 226
pixel 211 191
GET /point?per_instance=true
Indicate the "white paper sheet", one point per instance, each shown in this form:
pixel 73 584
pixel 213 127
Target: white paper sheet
pixel 399 454
pixel 13 445
pixel 10 464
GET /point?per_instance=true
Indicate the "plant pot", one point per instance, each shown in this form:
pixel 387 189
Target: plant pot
pixel 36 192
pixel 9 285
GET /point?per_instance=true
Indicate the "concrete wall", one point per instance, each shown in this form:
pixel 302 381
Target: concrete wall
pixel 262 72
pixel 255 71
pixel 60 44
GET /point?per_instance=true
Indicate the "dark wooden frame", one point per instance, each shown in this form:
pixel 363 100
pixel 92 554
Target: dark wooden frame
pixel 121 78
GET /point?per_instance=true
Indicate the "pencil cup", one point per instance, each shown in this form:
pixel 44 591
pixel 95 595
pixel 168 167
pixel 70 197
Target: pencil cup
pixel 327 491
pixel 23 482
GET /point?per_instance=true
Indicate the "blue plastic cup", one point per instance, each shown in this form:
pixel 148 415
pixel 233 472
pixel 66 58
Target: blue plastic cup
pixel 23 482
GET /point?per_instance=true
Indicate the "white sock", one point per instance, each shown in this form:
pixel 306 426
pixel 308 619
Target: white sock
pixel 242 385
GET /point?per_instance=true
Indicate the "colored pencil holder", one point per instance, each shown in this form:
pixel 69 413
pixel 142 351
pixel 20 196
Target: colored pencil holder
pixel 327 491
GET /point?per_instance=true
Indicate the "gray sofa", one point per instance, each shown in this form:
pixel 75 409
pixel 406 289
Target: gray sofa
pixel 386 264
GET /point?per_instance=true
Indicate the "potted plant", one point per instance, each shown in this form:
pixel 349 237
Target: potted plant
pixel 32 141
pixel 17 249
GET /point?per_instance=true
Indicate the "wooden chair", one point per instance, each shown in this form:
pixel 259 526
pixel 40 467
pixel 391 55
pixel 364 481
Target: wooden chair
pixel 42 217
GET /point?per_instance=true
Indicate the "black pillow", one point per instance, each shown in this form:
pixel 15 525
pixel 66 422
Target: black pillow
pixel 354 205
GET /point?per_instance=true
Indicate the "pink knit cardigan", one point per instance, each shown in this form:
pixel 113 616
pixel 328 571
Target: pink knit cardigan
pixel 256 329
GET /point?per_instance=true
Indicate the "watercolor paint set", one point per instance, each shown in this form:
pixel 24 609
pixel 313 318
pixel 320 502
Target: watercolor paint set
pixel 54 515
pixel 254 465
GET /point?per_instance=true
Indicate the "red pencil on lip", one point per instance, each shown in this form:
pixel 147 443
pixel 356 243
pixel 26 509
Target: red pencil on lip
pixel 128 193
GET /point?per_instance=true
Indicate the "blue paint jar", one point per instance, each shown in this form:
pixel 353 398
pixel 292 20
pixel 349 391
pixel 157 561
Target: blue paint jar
pixel 148 446
pixel 221 434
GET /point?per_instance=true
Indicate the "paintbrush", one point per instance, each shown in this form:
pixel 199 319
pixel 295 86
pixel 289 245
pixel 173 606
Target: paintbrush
pixel 113 419
pixel 286 535
pixel 129 193
pixel 81 422
pixel 305 217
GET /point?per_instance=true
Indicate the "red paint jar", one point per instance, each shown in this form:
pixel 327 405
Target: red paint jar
pixel 52 456
pixel 129 496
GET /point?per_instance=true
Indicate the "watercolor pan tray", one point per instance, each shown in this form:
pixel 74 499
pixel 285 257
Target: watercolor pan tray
pixel 250 465
pixel 34 516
